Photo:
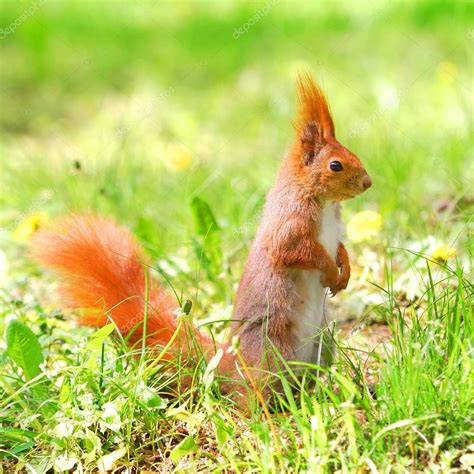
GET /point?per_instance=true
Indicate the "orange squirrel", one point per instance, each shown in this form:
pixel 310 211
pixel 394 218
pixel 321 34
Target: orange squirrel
pixel 296 255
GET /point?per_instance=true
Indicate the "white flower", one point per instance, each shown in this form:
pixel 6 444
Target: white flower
pixel 110 418
pixel 65 462
pixel 64 429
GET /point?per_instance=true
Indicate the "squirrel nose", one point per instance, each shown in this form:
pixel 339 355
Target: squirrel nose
pixel 366 182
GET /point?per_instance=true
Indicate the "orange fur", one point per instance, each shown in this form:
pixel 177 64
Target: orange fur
pixel 313 106
pixel 315 146
pixel 102 274
pixel 343 263
pixel 294 244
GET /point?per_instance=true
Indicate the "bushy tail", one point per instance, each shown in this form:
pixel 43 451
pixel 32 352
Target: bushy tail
pixel 102 274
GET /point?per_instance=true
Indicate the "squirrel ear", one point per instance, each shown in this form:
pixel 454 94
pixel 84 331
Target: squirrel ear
pixel 313 107
pixel 311 141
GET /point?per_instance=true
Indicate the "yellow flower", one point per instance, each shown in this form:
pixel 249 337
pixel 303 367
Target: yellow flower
pixel 178 158
pixel 364 225
pixel 29 225
pixel 443 252
pixel 446 72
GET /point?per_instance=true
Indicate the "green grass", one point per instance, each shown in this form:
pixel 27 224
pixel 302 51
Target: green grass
pixel 97 397
pixel 99 105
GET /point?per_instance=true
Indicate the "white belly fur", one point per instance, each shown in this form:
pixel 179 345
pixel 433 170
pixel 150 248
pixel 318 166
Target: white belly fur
pixel 312 313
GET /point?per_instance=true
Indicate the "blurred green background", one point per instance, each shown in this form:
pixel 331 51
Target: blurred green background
pixel 132 109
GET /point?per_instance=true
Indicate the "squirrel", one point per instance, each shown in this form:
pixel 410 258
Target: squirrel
pixel 296 257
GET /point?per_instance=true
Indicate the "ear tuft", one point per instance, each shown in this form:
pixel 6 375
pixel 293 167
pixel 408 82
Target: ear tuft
pixel 313 107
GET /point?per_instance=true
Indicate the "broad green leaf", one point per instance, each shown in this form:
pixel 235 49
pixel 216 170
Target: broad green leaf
pixel 222 429
pixel 145 229
pixel 150 398
pixel 9 434
pixel 93 442
pixel 24 349
pixel 204 220
pixel 65 392
pixel 187 446
pixel 96 339
pixel 22 448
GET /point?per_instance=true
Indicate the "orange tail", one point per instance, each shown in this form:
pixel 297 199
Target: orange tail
pixel 102 274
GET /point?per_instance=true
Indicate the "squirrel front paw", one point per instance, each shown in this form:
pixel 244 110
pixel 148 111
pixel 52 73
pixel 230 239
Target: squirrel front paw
pixel 330 278
pixel 341 284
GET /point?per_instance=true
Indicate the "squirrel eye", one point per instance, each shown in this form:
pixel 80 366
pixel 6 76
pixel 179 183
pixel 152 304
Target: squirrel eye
pixel 335 166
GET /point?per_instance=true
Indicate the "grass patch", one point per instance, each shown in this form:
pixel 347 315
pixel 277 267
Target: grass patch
pixel 99 403
pixel 163 119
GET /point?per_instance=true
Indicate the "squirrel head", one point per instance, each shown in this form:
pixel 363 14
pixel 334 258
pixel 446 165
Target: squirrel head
pixel 325 166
